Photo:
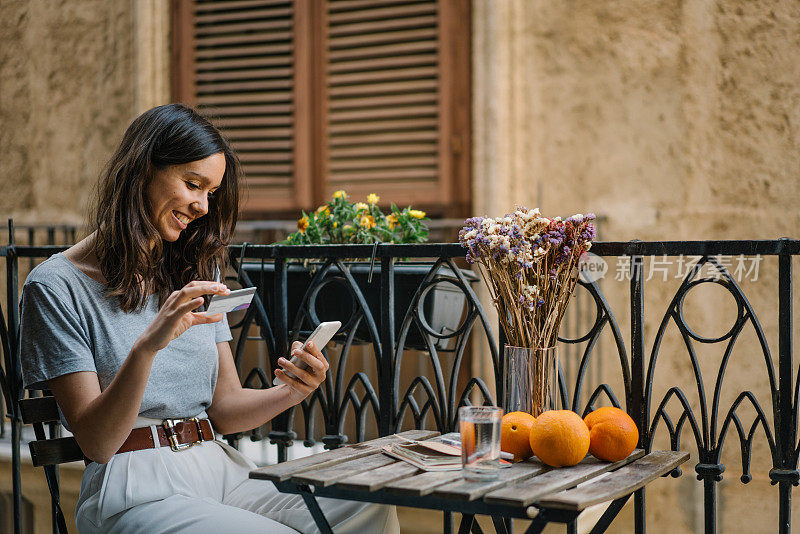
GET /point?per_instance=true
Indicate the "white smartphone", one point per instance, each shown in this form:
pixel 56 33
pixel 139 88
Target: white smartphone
pixel 320 336
pixel 233 301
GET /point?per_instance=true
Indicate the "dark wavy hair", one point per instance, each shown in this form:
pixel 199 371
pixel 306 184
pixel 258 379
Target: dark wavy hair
pixel 135 261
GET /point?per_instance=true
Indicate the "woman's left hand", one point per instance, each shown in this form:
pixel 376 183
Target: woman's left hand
pixel 306 381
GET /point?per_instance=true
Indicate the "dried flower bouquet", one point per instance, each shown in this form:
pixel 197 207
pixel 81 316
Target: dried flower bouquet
pixel 530 264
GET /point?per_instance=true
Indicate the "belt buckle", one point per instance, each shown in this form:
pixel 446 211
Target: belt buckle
pixel 169 430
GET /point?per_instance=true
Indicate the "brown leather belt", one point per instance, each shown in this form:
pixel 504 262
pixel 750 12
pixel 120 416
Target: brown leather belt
pixel 177 434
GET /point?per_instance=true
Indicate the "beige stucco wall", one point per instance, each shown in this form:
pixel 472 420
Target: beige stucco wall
pixel 73 74
pixel 672 120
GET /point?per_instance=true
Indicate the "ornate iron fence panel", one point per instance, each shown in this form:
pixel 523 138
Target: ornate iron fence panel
pixel 389 321
pixel 376 395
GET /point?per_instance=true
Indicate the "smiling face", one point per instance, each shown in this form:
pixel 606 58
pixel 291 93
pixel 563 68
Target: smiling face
pixel 179 194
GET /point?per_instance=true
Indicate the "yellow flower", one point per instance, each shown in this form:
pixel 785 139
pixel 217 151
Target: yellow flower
pixel 335 224
pixel 372 198
pixel 302 224
pixel 392 220
pixel 367 221
pixel 417 214
pixel 347 228
pixel 360 206
pixel 340 194
pixel 324 209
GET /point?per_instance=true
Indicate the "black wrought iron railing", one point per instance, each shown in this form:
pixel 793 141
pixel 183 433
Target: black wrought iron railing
pixel 395 366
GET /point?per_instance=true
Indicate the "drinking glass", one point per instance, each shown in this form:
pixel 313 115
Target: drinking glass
pixel 480 441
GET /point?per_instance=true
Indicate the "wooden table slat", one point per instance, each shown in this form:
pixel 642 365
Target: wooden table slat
pixel 423 483
pixel 469 490
pixel 378 478
pixel 626 480
pixel 527 491
pixel 330 475
pixel 285 470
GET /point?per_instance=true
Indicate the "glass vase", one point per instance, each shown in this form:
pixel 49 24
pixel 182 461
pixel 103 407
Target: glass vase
pixel 530 379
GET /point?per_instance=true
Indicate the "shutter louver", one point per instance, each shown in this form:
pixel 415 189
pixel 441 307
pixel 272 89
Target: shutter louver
pixel 382 86
pixel 244 81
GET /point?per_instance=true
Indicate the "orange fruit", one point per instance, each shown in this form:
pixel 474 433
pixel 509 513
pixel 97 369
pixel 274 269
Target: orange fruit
pixel 515 433
pixel 612 434
pixel 559 438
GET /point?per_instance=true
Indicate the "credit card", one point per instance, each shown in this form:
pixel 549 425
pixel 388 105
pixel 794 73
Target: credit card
pixel 233 301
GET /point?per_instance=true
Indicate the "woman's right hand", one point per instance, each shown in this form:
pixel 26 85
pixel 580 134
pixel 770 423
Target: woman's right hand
pixel 176 316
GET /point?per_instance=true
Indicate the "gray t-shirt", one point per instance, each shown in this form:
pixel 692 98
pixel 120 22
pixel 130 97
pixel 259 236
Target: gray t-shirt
pixel 67 324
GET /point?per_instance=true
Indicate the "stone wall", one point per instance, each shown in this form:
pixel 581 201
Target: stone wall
pixel 670 120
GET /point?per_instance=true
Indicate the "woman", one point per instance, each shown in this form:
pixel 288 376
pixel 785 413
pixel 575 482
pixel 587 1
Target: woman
pixel 109 326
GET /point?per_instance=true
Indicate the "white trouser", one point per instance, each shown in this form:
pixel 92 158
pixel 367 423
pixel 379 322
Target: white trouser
pixel 205 489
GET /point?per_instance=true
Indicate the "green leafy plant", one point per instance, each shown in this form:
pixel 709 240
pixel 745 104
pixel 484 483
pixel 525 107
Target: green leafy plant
pixel 341 221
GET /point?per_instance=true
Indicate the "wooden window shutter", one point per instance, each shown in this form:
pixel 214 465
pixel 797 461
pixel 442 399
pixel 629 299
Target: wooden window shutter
pixel 235 61
pixel 397 102
pixel 319 95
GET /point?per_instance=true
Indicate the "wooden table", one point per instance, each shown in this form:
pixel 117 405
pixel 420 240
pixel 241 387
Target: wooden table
pixel 527 490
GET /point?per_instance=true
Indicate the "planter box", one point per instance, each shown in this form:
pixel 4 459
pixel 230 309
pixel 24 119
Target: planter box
pixel 442 308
